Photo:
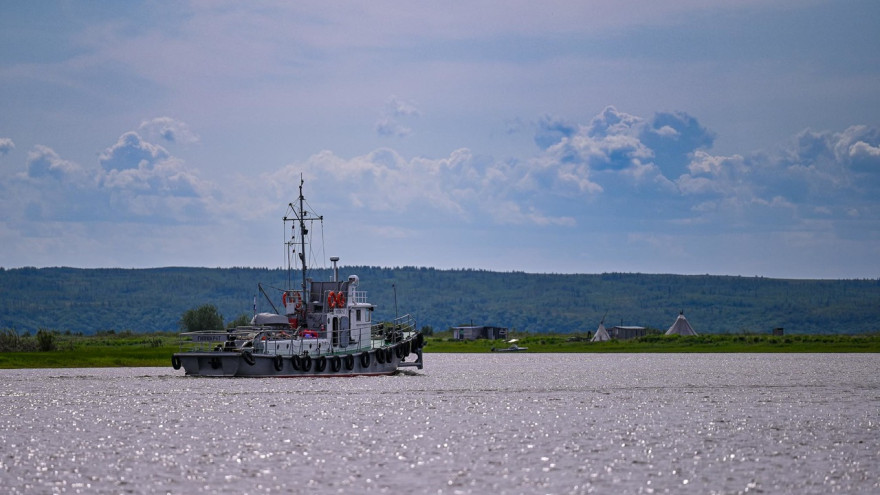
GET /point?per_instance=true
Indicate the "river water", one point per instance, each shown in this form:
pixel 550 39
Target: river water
pixel 498 423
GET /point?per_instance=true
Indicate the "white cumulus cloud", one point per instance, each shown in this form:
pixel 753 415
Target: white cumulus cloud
pixel 131 152
pixel 134 181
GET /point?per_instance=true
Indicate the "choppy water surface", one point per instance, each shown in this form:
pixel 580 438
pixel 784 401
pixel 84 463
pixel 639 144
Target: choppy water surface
pixel 512 423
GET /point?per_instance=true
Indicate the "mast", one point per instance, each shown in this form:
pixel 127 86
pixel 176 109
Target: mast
pixel 300 216
pixel 302 233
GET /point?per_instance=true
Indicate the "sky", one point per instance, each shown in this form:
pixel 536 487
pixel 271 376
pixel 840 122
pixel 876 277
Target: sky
pixel 733 137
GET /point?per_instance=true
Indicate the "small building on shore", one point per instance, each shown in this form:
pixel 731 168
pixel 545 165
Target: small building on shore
pixel 474 332
pixel 627 332
pixel 618 332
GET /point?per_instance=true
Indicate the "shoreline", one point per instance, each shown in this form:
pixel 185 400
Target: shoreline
pixel 155 350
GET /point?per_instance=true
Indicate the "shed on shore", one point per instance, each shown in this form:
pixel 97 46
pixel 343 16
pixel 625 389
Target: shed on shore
pixel 621 332
pixel 474 332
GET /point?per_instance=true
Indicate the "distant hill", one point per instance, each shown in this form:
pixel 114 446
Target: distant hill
pixel 147 300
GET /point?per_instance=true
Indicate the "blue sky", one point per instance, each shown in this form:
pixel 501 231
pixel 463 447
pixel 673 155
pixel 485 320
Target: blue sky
pixel 728 137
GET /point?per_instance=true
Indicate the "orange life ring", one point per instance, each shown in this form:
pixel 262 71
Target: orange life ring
pixel 285 299
pixel 340 300
pixel 331 299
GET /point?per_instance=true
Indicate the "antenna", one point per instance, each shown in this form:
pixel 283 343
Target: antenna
pixel 334 259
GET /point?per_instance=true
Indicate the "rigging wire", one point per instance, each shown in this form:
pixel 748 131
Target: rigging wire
pixel 312 259
pixel 286 246
pixel 323 244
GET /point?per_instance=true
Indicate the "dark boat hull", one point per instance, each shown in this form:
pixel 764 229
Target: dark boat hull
pixel 381 361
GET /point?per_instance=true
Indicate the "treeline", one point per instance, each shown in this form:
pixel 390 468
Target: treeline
pixel 150 300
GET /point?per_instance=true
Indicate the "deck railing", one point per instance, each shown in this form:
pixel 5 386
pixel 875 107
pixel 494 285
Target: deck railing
pixel 359 297
pixel 381 334
pixel 398 329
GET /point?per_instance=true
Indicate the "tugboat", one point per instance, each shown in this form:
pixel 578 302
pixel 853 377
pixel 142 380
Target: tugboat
pixel 324 329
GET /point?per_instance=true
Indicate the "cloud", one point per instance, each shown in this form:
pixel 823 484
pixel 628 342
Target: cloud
pixel 673 137
pixel 145 183
pixel 168 129
pixel 597 175
pixel 817 175
pixel 604 160
pixel 612 122
pixel 459 189
pixel 131 152
pixel 606 155
pixel 620 141
pixel 610 141
pixel 50 189
pixel 608 166
pixel 387 126
pixel 835 163
pixel 667 131
pixel 859 147
pixel 167 178
pixel 6 145
pixel 136 181
pixel 864 154
pixel 401 108
pixel 396 109
pixel 837 159
pixel 44 162
pixel 661 168
pixel 552 130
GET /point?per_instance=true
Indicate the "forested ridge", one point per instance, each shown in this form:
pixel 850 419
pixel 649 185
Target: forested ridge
pixel 148 300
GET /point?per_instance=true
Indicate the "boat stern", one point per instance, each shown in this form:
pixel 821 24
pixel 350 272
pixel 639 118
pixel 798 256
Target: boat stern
pixel 207 363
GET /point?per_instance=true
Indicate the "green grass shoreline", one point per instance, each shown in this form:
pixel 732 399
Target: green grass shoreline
pixel 152 350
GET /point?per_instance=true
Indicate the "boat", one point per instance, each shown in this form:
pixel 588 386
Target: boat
pixel 513 347
pixel 323 329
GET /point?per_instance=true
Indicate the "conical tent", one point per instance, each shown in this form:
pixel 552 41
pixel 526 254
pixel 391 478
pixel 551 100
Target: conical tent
pixel 601 334
pixel 681 326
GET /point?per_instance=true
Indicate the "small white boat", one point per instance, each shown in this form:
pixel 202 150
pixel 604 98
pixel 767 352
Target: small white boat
pixel 513 347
